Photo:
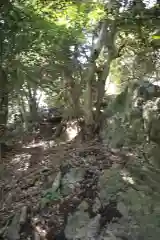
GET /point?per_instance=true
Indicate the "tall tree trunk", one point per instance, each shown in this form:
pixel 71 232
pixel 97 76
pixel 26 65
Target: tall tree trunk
pixel 22 109
pixel 3 107
pixel 101 87
pixel 72 93
pixel 90 73
pixel 32 103
pixel 105 43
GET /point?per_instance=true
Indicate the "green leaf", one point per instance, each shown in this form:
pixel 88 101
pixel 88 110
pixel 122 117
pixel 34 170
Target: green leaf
pixel 156 37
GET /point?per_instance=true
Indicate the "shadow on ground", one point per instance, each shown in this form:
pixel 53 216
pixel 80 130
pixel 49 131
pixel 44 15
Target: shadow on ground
pixel 32 168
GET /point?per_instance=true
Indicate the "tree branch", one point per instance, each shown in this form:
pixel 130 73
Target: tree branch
pixel 119 52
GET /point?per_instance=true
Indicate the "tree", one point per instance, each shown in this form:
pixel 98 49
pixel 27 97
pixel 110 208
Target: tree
pixel 70 53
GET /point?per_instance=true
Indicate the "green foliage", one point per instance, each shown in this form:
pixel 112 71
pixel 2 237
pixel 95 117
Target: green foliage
pixel 42 42
pixel 116 71
pixel 38 37
pixel 48 196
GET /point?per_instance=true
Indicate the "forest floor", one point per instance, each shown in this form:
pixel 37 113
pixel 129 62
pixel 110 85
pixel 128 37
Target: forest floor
pixel 30 170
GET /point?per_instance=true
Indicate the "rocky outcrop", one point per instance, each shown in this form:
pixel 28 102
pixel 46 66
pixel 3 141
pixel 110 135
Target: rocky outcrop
pixel 141 109
pixel 100 216
pixel 151 117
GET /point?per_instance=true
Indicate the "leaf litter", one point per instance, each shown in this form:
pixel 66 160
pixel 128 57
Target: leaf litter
pixel 31 205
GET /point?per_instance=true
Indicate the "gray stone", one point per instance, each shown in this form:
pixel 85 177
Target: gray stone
pixel 110 184
pixel 70 180
pixel 93 228
pixel 154 154
pixel 77 223
pixel 151 117
pixel 97 205
pixel 14 228
pixel 122 209
pixel 56 182
pixel 80 226
pixel 116 231
pixel 108 236
pixel 83 206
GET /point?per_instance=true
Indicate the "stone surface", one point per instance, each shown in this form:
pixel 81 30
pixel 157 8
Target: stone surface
pixel 97 205
pixel 77 223
pixel 80 226
pixel 14 228
pixel 110 183
pixel 56 182
pixel 70 180
pixel 121 207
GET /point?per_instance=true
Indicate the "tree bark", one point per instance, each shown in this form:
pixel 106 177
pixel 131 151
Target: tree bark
pixel 101 88
pixel 32 104
pixel 22 110
pixel 3 107
pixel 72 92
pixel 105 44
pixel 90 73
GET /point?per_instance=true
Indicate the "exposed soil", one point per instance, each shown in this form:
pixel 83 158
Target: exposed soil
pixel 31 169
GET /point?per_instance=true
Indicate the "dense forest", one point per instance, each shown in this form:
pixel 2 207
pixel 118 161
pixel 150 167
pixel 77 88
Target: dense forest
pixel 80 119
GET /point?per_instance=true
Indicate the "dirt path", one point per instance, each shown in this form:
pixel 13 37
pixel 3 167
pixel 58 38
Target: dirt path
pixel 32 169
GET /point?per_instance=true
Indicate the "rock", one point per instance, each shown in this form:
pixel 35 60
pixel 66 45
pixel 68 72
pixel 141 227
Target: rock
pixel 151 117
pixel 14 228
pixel 97 205
pixel 77 223
pixel 56 182
pixel 110 236
pixel 70 180
pixel 119 229
pixel 147 90
pixel 122 209
pixel 80 226
pixel 93 228
pixel 116 231
pixel 110 184
pixel 154 154
pixel 23 216
pixel 36 236
pixel 83 206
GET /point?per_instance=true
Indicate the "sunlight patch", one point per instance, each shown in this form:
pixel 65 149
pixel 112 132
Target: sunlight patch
pixel 72 130
pixel 44 144
pixel 126 177
pixel 24 167
pixel 42 232
pixel 22 160
pixel 38 229
pixel 31 145
pixel 48 144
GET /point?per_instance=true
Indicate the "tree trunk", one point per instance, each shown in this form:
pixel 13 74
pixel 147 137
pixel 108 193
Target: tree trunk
pixel 90 74
pixel 23 112
pixel 32 104
pixel 3 107
pixel 101 88
pixel 105 43
pixel 72 93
